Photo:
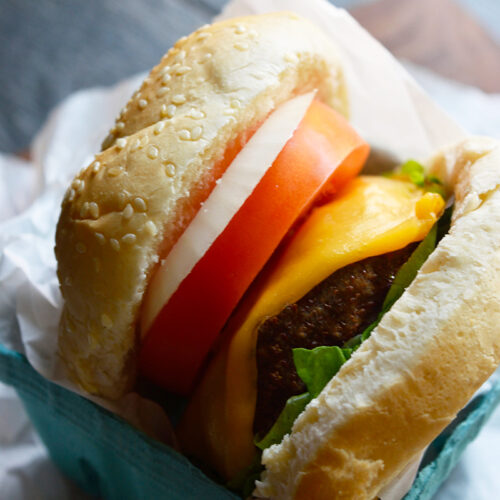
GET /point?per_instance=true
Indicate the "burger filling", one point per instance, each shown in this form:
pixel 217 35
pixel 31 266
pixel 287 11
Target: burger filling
pixel 296 360
pixel 332 313
pixel 322 294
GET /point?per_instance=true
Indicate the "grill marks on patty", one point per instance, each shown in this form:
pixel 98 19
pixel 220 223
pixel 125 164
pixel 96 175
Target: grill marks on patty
pixel 334 311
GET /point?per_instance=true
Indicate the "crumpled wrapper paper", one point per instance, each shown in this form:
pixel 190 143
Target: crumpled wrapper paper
pixel 387 107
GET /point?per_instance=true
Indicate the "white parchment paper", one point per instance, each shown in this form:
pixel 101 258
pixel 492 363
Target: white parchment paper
pixel 387 107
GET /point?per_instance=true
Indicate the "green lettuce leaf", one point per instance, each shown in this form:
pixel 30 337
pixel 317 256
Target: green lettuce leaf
pixel 414 171
pixel 293 408
pixel 244 482
pixel 408 271
pixel 317 366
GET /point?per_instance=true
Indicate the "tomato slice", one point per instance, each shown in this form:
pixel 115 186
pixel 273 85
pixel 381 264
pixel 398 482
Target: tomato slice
pixel 322 155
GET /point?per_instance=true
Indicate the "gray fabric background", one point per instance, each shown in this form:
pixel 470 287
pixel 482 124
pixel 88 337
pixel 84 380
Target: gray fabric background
pixel 50 48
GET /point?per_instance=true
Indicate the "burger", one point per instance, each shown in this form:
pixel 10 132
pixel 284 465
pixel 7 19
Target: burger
pixel 222 247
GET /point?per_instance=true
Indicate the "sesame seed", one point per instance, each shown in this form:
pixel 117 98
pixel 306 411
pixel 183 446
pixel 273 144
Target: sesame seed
pixel 129 238
pixel 170 169
pixel 121 143
pixel 115 244
pixel 242 46
pixel 185 134
pixel 100 238
pixel 78 185
pixel 67 281
pixel 252 34
pixel 137 95
pixel 235 103
pixel 139 204
pixel 84 209
pixel 106 321
pixel 162 91
pixel 182 70
pixel 96 166
pixel 196 114
pixel 80 247
pixel 196 133
pixel 71 195
pixel 239 29
pixel 179 99
pixel 94 210
pixel 181 54
pixel 200 80
pixel 128 211
pixel 114 171
pixel 170 110
pixel 120 126
pixel 165 79
pixel 151 228
pixel 142 103
pixel 229 111
pixel 136 145
pixel 152 152
pixel 206 57
pixel 164 70
pixel 203 36
pixel 97 264
pixel 159 127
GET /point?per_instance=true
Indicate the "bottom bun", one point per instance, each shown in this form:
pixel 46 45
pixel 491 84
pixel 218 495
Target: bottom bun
pixel 420 366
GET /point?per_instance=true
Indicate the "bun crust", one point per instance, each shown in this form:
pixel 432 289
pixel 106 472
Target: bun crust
pixel 125 211
pixel 420 366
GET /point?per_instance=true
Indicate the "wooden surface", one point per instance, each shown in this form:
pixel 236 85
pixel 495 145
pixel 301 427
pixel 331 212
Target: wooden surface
pixel 438 34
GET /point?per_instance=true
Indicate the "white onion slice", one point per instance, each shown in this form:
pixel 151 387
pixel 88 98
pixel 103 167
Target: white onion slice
pixel 229 194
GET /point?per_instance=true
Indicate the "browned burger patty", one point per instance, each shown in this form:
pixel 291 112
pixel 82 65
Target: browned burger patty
pixel 333 312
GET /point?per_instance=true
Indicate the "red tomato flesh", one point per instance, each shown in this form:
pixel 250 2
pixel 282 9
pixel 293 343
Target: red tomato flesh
pixel 322 155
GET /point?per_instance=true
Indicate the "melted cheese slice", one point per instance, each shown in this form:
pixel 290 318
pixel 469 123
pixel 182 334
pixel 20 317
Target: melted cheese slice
pixel 372 216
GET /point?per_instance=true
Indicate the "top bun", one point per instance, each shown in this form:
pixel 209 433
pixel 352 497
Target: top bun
pixel 434 348
pixel 126 210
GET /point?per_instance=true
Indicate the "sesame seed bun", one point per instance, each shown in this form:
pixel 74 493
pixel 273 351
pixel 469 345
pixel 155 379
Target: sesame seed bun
pixel 421 365
pixel 125 211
